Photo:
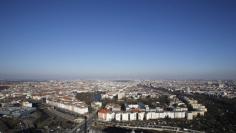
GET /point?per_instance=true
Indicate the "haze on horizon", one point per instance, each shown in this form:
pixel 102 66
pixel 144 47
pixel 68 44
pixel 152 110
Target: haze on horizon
pixel 118 39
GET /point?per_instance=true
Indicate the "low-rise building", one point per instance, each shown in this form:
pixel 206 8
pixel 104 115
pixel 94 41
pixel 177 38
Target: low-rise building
pixel 113 107
pixel 118 116
pixel 189 115
pixel 179 114
pixel 170 114
pixel 133 116
pixel 96 105
pixel 68 104
pixel 125 116
pixel 27 104
pixel 141 115
pixel 102 114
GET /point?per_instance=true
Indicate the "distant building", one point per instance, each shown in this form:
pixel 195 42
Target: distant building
pixel 159 109
pixel 139 106
pixel 188 90
pixel 68 104
pixel 108 96
pixel 180 109
pixel 221 85
pixel 96 105
pixel 27 104
pixel 113 107
pixel 121 95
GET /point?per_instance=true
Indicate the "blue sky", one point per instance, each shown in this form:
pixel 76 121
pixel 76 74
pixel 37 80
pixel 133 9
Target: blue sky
pixel 118 39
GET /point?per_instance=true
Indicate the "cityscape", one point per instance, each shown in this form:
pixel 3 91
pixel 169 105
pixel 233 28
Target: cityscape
pixel 133 105
pixel 117 66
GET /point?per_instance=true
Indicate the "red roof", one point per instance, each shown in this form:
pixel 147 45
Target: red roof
pixel 103 111
pixel 135 110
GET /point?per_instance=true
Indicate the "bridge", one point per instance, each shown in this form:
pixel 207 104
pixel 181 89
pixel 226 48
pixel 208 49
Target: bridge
pixel 149 127
pixel 85 125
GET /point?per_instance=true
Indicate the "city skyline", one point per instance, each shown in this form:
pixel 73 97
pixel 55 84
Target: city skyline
pixel 118 39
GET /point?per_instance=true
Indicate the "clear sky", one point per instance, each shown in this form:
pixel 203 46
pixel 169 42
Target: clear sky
pixel 118 39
